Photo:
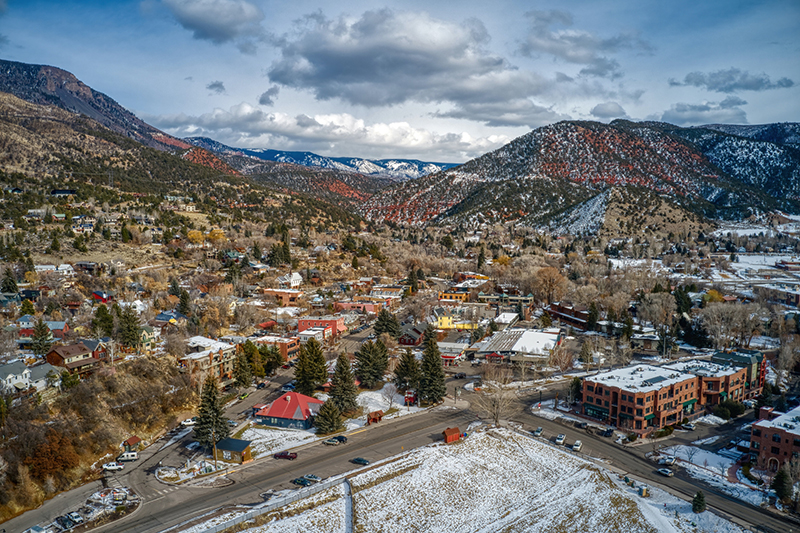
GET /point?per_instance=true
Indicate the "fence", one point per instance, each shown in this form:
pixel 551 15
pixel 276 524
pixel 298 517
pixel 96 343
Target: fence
pixel 270 506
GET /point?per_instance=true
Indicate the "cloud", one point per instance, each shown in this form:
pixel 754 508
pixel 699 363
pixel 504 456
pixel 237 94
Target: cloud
pixel 732 80
pixel 244 125
pixel 385 58
pixel 216 87
pixel 218 21
pixel 727 111
pixel 577 46
pixel 608 110
pixel 268 97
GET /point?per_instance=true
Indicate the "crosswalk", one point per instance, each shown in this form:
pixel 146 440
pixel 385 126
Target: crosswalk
pixel 156 493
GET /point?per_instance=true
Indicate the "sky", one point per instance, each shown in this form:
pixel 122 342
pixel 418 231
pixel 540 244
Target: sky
pixel 437 81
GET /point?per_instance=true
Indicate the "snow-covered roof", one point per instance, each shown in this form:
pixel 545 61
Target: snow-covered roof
pixel 208 344
pixel 640 378
pixel 506 318
pixel 788 422
pixel 703 368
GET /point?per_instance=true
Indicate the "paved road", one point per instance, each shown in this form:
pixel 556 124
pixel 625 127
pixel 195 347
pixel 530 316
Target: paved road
pixel 176 505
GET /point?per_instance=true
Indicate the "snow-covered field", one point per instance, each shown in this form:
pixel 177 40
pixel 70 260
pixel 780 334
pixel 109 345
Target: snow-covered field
pixel 492 481
pixel 266 441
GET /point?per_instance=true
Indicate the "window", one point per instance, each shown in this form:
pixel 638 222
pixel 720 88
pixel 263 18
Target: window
pixel 639 401
pixel 605 403
pixel 776 437
pixel 598 401
pixel 590 388
pixel 624 397
pixel 638 412
pixel 796 442
pixel 754 445
pixel 775 450
pixel 605 392
pixel 647 410
pixel 756 432
pixel 589 399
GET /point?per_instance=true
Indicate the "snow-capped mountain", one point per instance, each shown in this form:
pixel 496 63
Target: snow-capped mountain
pixel 398 169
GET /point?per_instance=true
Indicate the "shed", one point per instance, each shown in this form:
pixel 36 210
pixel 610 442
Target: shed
pixel 131 444
pixel 451 435
pixel 374 417
pixel 234 451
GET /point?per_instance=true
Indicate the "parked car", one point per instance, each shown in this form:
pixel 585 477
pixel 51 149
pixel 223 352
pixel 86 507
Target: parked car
pixel 460 375
pixel 287 388
pixel 189 422
pixel 538 432
pixel 666 472
pixel 75 517
pixel 128 456
pixel 261 385
pixel 113 466
pixel 359 461
pixel 303 482
pixel 312 477
pixel 244 395
pixel 690 426
pixel 64 523
pixel 607 433
pixel 286 455
pixel 341 438
pixel 581 425
pixel 560 439
pixel 668 460
pixel 232 423
pixel 577 446
pixel 331 442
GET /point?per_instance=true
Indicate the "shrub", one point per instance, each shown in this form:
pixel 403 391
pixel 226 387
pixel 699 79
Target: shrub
pixel 632 437
pixel 735 408
pixel 722 412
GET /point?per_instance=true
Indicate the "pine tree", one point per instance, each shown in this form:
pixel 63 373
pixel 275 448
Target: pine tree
pixel 365 365
pixel 520 312
pixel 782 485
pixel 699 502
pixel 387 323
pixel 257 252
pixel 129 332
pixel 354 264
pixel 310 371
pixel 174 288
pixel 253 358
pixel 329 419
pixel 9 283
pixel 55 246
pixel 592 316
pixel 271 358
pixel 103 321
pixel 481 260
pixel 242 372
pixel 381 360
pixel 343 386
pixel 432 388
pixel 211 425
pixel 42 338
pixel 185 305
pixel 27 308
pixel 546 320
pixel 407 372
pixel 412 281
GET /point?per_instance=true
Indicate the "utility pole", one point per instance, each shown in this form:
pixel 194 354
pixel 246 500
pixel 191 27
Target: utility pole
pixel 214 440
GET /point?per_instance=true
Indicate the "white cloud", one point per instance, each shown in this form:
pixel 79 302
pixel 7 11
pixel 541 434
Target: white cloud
pixel 727 111
pixel 608 110
pixel 732 80
pixel 247 126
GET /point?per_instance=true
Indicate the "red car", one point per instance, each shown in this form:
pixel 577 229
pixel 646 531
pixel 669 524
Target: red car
pixel 285 455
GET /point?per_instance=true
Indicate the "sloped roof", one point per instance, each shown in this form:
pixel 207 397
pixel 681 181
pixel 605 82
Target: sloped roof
pixel 233 445
pixel 292 405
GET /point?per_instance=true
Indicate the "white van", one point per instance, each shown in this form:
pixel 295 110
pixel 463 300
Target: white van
pixel 128 456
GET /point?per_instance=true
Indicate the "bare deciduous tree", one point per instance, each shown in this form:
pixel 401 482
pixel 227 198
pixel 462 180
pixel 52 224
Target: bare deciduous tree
pixel 495 399
pixel 561 358
pixel 388 393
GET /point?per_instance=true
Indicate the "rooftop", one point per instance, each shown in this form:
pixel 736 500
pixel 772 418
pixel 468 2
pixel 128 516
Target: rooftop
pixel 640 378
pixel 788 422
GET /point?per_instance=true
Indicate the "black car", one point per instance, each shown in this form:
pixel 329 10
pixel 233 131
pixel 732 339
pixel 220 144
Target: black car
pixel 261 385
pixel 65 523
pixel 359 461
pixel 607 433
pixel 341 438
pixel 460 375
pixel 581 425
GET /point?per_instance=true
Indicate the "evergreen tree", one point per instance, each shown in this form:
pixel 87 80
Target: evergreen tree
pixel 420 274
pixel 381 360
pixel 103 321
pixel 257 252
pixel 481 259
pixel 174 288
pixel 699 502
pixel 125 233
pixel 367 368
pixel 329 419
pixel 412 281
pixel 782 485
pixel 546 320
pixel 387 323
pixel 432 388
pixel 69 380
pixel 185 305
pixel 343 386
pixel 27 308
pixel 627 328
pixel 593 316
pixel 211 424
pixel 42 338
pixel 354 264
pixel 242 373
pixel 310 371
pixel 407 373
pixel 55 246
pixel 9 283
pixel 287 251
pixel 271 358
pixel 129 332
pixel 476 335
pixel 253 358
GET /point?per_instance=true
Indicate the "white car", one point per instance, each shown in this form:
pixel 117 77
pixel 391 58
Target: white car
pixel 75 517
pixel 113 466
pixel 577 446
pixel 188 422
pixel 669 460
pixel 560 439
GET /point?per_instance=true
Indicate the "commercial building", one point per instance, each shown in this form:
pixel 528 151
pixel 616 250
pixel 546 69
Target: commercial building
pixel 208 357
pixel 775 439
pixel 753 361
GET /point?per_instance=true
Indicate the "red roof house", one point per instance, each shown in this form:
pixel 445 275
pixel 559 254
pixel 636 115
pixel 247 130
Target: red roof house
pixel 292 410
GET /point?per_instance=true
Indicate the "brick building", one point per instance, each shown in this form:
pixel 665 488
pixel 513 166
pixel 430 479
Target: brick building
pixel 208 356
pixel 755 364
pixel 775 438
pixel 336 323
pixel 287 346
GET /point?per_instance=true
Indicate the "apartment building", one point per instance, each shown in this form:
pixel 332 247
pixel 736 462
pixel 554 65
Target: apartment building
pixel 775 439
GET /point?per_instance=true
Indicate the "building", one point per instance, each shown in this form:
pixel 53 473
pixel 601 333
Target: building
pixel 387 292
pixel 285 297
pixel 571 315
pixel 644 398
pixel 289 347
pixel 290 281
pixel 520 345
pixel 451 435
pixel 775 439
pixel 320 333
pixel 292 410
pixel 233 451
pixel 453 296
pixel 411 335
pixel 43 376
pixel 76 358
pixel 336 323
pixel 363 307
pixel 506 320
pixel 208 356
pixel 14 378
pixel 755 364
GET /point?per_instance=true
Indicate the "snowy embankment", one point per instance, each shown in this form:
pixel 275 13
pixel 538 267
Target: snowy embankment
pixel 492 481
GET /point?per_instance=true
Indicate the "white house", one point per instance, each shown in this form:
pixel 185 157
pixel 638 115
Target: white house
pixel 14 377
pixel 290 281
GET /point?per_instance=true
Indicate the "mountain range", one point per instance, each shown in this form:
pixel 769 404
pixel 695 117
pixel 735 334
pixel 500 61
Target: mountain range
pixel 573 176
pixel 399 169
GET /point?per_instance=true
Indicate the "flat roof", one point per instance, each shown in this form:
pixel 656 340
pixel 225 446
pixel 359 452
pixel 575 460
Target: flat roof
pixel 640 378
pixel 788 422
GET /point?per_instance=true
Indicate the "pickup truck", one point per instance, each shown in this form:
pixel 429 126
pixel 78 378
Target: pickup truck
pixel 286 455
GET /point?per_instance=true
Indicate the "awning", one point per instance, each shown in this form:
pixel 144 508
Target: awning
pixel 690 402
pixel 648 417
pixel 723 394
pixel 626 415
